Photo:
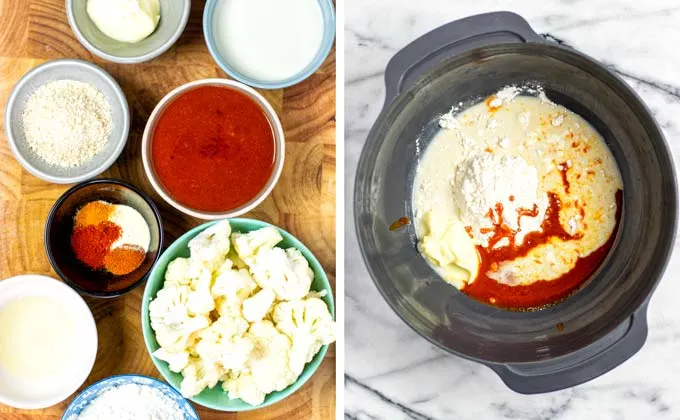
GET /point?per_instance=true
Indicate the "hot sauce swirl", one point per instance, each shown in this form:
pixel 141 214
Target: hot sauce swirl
pixel 213 149
pixel 542 292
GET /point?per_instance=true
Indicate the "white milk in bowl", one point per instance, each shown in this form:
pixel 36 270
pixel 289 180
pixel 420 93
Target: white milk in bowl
pixel 268 40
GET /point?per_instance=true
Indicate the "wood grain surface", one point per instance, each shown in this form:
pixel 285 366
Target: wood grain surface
pixel 303 202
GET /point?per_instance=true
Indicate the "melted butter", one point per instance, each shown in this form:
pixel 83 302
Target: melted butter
pixel 38 338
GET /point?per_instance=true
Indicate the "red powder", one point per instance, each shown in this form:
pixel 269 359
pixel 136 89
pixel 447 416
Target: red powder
pixel 91 243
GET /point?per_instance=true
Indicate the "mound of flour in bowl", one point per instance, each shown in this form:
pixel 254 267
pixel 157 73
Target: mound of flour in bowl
pixel 132 402
pixel 492 189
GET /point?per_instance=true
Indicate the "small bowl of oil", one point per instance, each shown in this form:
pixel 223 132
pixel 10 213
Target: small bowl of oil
pixel 48 341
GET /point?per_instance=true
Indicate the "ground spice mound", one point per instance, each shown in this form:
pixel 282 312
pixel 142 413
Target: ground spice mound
pixel 124 260
pixel 92 243
pixel 93 213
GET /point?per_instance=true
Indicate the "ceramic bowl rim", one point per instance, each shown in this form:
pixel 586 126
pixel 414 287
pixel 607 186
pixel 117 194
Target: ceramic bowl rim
pixel 118 99
pixel 48 229
pixel 279 139
pixel 134 59
pixel 320 56
pixel 157 381
pixel 299 382
pixel 83 310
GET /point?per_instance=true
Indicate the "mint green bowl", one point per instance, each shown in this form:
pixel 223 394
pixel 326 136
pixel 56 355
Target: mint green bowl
pixel 216 398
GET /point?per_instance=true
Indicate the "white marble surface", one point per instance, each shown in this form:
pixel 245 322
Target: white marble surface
pixel 393 374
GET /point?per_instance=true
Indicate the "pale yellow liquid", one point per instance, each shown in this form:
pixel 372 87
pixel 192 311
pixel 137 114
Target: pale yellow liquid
pixel 38 338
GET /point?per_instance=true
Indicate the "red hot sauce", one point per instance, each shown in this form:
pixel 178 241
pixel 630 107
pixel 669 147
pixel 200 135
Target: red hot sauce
pixel 540 293
pixel 213 149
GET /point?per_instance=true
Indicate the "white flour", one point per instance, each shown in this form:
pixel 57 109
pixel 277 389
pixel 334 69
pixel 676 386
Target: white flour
pixel 132 402
pixel 484 180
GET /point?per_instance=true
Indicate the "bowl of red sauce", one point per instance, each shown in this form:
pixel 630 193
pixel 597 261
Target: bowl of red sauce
pixel 213 148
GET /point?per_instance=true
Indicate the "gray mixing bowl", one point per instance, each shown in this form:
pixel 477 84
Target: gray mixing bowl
pixel 590 332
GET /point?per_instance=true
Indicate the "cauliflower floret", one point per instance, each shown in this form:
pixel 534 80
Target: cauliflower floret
pixel 236 261
pixel 198 375
pixel 234 284
pixel 200 301
pixel 247 245
pixel 211 246
pixel 176 360
pixel 176 273
pixel 308 324
pixel 314 294
pixel 223 343
pixel 286 272
pixel 257 306
pixel 267 370
pixel 226 266
pixel 242 385
pixel 230 289
pixel 170 319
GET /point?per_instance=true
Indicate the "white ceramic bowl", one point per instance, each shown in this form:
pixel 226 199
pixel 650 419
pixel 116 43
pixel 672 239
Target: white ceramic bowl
pixel 278 138
pixel 71 70
pixel 31 394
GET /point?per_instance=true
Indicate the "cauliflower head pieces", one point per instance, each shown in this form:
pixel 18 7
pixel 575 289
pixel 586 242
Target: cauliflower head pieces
pixel 267 370
pixel 286 272
pixel 308 324
pixel 210 247
pixel 171 320
pixel 247 245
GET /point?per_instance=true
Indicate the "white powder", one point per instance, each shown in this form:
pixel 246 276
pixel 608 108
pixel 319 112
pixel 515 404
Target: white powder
pixel 448 121
pixel 504 96
pixel 524 119
pixel 135 230
pixel 66 123
pixel 558 120
pixel 132 402
pixel 484 180
pixel 492 124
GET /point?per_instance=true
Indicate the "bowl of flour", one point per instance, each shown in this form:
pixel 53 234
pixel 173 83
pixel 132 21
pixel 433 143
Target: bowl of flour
pixel 129 397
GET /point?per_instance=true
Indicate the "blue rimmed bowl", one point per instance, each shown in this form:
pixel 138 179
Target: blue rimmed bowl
pixel 328 12
pixel 86 397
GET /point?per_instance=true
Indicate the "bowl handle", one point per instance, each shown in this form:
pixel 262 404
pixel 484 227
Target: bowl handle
pixel 582 366
pixel 455 37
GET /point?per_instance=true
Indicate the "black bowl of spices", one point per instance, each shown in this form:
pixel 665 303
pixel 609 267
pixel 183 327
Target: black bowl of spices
pixel 103 237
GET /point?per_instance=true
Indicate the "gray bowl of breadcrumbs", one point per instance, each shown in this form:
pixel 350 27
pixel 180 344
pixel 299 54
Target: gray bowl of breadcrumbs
pixel 67 121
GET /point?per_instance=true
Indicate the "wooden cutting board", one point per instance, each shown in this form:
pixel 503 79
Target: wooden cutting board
pixel 303 202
